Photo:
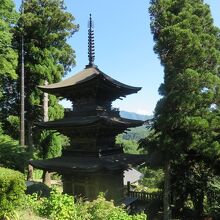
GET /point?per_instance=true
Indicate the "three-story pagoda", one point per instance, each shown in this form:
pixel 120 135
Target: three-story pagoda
pixel 93 163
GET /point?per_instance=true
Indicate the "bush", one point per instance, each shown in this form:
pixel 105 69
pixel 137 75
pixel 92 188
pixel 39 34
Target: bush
pixel 63 207
pixel 58 206
pixel 101 209
pixel 12 191
pixel 12 155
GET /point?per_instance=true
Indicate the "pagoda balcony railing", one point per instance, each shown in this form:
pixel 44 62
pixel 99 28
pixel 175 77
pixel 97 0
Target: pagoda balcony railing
pixel 143 196
pixel 101 152
pixel 90 111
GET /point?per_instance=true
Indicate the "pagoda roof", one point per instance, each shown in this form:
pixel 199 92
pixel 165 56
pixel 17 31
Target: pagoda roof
pixel 89 74
pixel 89 120
pixel 70 164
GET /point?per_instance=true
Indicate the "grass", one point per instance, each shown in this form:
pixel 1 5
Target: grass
pixel 29 215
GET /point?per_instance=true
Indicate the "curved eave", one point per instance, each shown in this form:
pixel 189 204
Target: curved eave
pixel 86 76
pixel 89 121
pixel 81 77
pixel 68 165
pixel 120 85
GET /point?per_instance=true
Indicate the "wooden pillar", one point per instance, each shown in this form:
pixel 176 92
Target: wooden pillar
pixel 128 188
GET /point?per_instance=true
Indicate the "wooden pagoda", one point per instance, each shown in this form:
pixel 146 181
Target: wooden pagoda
pixel 93 163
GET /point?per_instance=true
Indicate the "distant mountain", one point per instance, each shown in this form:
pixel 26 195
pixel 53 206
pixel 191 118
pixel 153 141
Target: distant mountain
pixel 135 116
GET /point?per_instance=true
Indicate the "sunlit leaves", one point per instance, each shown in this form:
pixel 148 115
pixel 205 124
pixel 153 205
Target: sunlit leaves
pixel 46 26
pixel 187 44
pixel 8 56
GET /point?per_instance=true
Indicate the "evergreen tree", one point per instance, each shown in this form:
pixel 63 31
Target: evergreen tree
pixel 8 56
pixel 187 116
pixel 46 26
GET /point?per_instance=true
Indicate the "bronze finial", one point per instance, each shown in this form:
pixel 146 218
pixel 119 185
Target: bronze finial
pixel 91 44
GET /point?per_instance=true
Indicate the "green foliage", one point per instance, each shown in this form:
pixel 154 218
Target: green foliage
pixel 153 179
pixel 61 206
pixel 133 144
pixel 55 111
pixel 100 209
pixel 51 144
pixel 152 147
pixel 58 207
pixel 129 146
pixel 129 139
pixel 37 174
pixel 186 41
pixel 46 26
pixel 186 123
pixel 12 187
pixel 12 124
pixel 136 134
pixel 8 56
pixel 190 183
pixel 212 204
pixel 32 201
pixel 12 155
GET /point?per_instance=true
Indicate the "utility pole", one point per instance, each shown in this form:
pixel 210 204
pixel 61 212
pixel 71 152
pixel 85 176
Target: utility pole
pixel 22 120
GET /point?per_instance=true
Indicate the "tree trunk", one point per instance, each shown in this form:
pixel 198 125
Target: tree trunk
pixel 30 173
pixel 46 175
pixel 166 195
pixel 30 136
pixel 198 205
pixel 30 149
pixel 46 178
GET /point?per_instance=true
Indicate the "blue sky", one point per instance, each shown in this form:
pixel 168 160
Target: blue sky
pixel 123 46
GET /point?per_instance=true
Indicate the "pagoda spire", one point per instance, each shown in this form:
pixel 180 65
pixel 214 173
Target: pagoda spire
pixel 91 44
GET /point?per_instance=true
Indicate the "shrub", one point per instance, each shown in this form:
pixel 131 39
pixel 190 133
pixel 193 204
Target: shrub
pixel 63 207
pixel 12 155
pixel 100 209
pixel 58 206
pixel 12 191
pixel 33 202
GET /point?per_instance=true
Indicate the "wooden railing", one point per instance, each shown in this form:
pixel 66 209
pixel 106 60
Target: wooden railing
pixel 144 196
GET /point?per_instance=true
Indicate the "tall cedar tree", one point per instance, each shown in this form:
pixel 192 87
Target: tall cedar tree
pixel 187 116
pixel 46 26
pixel 8 56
